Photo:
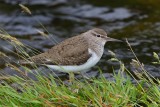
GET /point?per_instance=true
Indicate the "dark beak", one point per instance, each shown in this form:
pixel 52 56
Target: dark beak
pixel 112 39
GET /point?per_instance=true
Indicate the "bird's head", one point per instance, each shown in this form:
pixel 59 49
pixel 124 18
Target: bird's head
pixel 100 36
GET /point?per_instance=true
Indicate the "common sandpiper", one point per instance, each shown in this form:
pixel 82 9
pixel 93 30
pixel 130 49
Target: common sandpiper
pixel 75 54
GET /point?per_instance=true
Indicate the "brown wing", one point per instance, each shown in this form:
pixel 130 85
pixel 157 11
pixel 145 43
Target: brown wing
pixel 68 52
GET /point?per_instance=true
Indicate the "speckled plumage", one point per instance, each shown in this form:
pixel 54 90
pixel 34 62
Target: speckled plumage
pixel 74 51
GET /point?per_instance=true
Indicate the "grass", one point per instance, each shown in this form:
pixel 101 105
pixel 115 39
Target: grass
pixel 49 92
pixel 96 92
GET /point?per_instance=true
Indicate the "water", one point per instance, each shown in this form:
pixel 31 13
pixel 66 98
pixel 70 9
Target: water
pixel 139 23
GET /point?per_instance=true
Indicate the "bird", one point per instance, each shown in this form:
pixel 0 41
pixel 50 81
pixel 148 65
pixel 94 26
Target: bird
pixel 76 54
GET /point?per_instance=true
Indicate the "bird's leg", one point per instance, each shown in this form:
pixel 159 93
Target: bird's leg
pixel 84 75
pixel 71 76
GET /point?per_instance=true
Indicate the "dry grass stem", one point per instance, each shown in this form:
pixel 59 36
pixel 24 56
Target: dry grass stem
pixel 7 37
pixel 25 9
pixel 42 33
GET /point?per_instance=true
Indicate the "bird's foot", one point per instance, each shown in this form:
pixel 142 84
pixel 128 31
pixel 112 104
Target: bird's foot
pixel 71 77
pixel 85 76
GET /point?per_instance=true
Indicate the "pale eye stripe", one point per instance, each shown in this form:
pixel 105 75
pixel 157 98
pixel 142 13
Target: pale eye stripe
pixel 96 35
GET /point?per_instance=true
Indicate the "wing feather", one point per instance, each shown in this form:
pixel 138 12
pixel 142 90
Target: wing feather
pixel 73 51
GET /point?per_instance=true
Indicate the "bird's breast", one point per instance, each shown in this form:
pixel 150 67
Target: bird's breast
pixel 92 61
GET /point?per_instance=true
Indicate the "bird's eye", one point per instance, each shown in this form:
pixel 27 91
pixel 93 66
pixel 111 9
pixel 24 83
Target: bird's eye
pixel 98 35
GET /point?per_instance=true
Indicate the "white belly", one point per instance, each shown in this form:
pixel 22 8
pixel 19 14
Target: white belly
pixel 92 61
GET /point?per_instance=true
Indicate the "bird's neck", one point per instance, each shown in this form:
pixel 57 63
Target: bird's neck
pixel 98 49
pixel 95 46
